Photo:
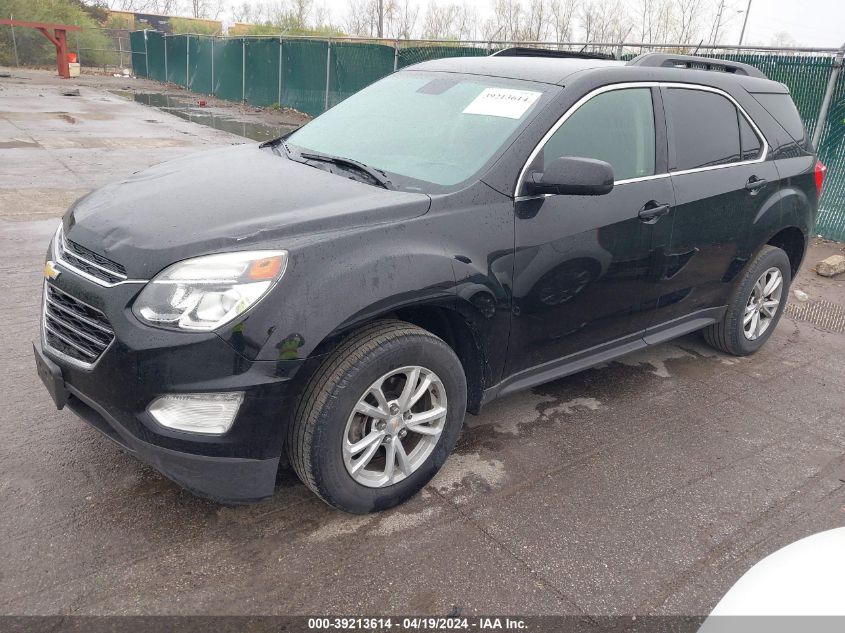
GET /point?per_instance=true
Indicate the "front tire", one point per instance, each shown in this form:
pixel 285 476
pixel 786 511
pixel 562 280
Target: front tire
pixel 756 305
pixel 378 418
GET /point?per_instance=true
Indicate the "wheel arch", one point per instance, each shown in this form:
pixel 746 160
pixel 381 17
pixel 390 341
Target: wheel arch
pixel 441 318
pixel 793 241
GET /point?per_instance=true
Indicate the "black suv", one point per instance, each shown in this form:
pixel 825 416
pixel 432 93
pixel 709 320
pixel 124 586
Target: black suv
pixel 455 232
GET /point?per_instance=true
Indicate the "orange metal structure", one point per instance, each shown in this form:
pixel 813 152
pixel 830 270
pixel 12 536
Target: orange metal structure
pixel 58 37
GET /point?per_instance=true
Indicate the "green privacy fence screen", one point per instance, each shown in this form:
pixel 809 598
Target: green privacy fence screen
pixel 226 67
pixel 356 65
pixel 831 222
pixel 409 55
pixel 176 48
pixel 201 50
pixel 806 77
pixel 156 62
pixel 139 56
pixel 297 73
pixel 304 75
pixel 311 75
pixel 261 83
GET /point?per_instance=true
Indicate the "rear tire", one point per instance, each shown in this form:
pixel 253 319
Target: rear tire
pixel 338 412
pixel 752 313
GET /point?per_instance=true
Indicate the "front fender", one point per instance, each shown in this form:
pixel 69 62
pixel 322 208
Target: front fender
pixel 334 282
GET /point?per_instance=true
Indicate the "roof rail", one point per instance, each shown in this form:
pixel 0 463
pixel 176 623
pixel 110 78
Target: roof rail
pixel 525 51
pixel 667 60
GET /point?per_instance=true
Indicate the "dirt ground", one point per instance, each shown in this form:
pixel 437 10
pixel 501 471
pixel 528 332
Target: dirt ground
pixel 646 486
pixel 817 287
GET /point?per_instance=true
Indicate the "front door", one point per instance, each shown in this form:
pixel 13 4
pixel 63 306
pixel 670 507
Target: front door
pixel 581 262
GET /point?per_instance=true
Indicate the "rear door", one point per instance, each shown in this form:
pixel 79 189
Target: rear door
pixel 581 262
pixel 721 179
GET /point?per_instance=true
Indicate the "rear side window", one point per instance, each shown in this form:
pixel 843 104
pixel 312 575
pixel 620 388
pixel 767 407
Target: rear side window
pixel 782 108
pixel 749 141
pixel 615 126
pixel 704 128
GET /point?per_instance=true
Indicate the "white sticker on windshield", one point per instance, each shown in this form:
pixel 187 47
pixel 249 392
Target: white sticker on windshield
pixel 503 102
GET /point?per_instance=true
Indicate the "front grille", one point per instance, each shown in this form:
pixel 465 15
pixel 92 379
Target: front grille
pixel 89 262
pixel 74 328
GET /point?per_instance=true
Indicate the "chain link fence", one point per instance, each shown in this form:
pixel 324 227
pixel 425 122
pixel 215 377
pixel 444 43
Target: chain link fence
pixel 312 74
pixel 101 48
pixel 307 74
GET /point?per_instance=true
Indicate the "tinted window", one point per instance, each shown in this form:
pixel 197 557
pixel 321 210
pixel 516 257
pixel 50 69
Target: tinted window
pixel 781 107
pixel 616 127
pixel 704 128
pixel 751 146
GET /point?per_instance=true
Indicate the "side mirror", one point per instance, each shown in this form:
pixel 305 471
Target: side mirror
pixel 574 176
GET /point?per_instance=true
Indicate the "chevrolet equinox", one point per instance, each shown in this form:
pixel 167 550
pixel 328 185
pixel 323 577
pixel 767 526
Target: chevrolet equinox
pixel 457 231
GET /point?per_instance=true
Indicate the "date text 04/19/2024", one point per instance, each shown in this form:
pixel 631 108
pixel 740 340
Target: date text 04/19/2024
pixel 416 624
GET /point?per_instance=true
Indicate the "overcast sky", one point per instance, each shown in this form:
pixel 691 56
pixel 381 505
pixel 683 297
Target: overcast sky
pixel 816 23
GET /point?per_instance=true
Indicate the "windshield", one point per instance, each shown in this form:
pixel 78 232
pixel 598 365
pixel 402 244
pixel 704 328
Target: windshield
pixel 426 130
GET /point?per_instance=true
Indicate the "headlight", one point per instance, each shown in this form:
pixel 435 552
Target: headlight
pixel 206 292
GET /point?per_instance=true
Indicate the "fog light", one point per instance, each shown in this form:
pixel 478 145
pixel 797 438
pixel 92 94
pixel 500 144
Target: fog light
pixel 208 413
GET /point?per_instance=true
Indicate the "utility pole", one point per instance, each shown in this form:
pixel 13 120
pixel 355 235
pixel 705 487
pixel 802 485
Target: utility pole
pixel 744 23
pixel 718 23
pixel 380 18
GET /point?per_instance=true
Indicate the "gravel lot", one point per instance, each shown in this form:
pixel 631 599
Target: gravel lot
pixel 648 486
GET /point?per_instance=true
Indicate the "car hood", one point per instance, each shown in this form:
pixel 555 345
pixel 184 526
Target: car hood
pixel 234 198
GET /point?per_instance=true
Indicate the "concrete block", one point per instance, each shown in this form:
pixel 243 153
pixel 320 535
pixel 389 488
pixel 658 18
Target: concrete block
pixel 831 266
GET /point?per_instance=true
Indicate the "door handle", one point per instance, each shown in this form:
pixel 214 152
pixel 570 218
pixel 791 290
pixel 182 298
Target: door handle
pixel 652 211
pixel 754 184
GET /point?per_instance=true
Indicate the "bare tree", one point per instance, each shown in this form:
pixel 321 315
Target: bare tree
pixel 467 22
pixel 162 7
pixel 357 21
pixel 688 21
pixel 301 10
pixel 782 38
pixel 362 16
pixel 437 23
pixel 243 13
pixel 198 8
pixel 507 20
pixel 206 8
pixel 401 20
pixel 287 15
pixel 449 22
pixel 562 18
pixel 604 21
pixel 535 21
pixel 322 16
pixel 657 20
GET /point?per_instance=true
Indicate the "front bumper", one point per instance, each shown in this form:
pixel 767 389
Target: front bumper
pixel 142 363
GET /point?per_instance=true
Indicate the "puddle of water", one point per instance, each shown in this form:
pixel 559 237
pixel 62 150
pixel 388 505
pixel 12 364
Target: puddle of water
pixel 187 110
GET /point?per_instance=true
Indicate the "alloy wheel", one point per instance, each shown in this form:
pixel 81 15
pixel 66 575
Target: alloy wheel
pixel 395 426
pixel 762 306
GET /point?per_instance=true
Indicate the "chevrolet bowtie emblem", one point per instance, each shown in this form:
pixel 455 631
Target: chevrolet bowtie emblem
pixel 51 271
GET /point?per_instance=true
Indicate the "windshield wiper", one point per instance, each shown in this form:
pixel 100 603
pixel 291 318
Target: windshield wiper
pixel 376 174
pixel 273 144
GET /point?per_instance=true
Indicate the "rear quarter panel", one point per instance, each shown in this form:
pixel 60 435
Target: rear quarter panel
pixel 794 202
